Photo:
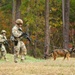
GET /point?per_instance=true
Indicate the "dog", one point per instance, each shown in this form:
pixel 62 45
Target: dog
pixel 60 52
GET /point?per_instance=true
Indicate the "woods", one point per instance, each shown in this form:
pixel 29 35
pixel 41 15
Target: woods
pixel 50 24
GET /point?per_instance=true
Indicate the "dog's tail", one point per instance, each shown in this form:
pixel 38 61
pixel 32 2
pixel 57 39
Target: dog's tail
pixel 48 55
pixel 51 53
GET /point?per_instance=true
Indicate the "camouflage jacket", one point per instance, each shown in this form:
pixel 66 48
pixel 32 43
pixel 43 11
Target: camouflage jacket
pixel 2 38
pixel 16 32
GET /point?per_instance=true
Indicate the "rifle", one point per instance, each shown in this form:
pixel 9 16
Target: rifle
pixel 6 43
pixel 26 35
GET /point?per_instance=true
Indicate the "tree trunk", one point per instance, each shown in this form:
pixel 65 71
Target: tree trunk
pixel 65 7
pixel 18 4
pixel 36 35
pixel 13 12
pixel 16 10
pixel 47 40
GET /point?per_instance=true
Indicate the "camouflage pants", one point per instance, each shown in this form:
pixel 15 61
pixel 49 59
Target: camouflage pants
pixel 20 47
pixel 3 52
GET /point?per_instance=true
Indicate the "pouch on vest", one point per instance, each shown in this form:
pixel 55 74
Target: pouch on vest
pixel 15 42
pixel 12 38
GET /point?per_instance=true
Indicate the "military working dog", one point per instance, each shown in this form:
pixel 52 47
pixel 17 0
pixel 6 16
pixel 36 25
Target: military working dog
pixel 60 52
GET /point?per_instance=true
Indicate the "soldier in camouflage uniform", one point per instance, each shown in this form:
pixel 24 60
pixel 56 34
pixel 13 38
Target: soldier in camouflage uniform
pixel 18 43
pixel 2 42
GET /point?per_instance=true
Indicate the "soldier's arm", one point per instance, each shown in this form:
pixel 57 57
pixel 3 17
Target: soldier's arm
pixel 16 32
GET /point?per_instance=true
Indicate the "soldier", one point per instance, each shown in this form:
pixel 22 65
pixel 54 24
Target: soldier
pixel 18 43
pixel 2 46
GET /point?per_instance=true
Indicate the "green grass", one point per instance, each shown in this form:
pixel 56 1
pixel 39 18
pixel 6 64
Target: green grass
pixel 10 58
pixel 32 59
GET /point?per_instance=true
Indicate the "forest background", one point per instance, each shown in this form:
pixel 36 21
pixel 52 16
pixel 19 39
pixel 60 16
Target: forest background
pixel 33 15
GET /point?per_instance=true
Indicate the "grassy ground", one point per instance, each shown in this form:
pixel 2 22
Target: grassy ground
pixel 32 66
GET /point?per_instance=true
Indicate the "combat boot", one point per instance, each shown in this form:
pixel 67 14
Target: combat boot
pixel 22 60
pixel 16 61
pixel 5 59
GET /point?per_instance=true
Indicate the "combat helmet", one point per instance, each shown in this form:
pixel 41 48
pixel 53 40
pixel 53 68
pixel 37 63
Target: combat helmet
pixel 3 31
pixel 19 21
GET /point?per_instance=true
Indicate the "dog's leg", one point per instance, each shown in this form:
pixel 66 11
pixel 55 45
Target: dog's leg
pixel 64 57
pixel 68 55
pixel 54 55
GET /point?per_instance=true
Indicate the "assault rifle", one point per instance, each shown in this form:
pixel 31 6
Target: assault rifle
pixel 25 35
pixel 6 43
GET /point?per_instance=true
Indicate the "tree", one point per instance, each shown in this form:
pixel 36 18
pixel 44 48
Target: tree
pixel 18 12
pixel 65 6
pixel 13 12
pixel 47 40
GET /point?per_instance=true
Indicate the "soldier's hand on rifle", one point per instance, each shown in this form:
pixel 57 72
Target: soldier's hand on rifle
pixel 23 35
pixel 6 42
